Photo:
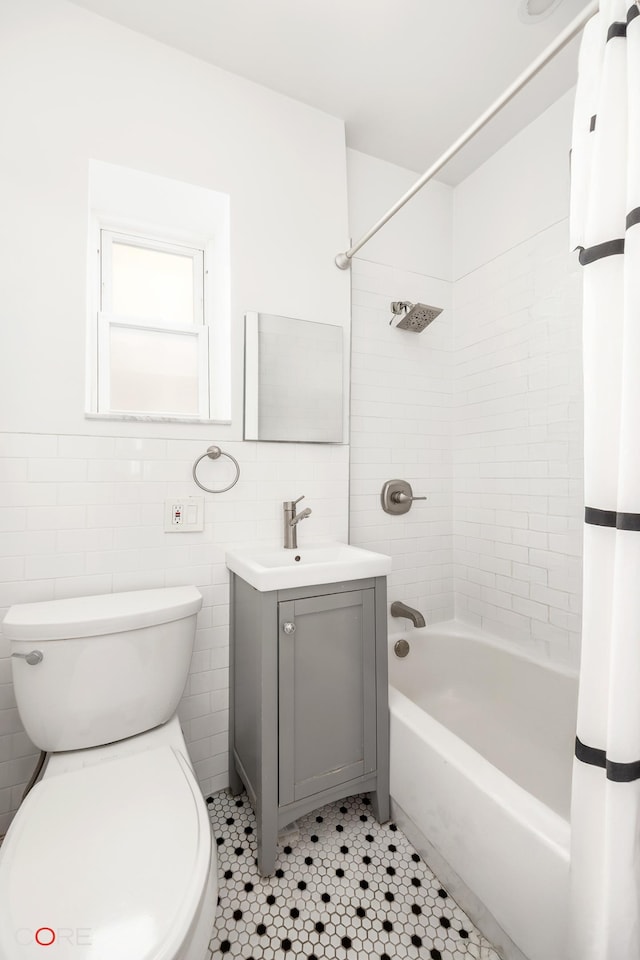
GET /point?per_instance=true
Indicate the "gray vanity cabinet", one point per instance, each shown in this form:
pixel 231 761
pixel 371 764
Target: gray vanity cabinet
pixel 308 710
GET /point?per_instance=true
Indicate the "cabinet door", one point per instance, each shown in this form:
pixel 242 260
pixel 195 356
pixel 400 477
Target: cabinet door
pixel 327 698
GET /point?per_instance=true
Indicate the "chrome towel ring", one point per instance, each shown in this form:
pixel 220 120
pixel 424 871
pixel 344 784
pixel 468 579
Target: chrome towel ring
pixel 214 453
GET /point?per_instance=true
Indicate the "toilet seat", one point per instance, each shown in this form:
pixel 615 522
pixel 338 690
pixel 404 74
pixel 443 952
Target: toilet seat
pixel 112 859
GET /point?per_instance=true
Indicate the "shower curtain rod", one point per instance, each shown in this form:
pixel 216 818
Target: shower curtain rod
pixel 343 260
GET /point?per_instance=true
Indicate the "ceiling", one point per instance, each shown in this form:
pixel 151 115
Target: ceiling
pixel 407 76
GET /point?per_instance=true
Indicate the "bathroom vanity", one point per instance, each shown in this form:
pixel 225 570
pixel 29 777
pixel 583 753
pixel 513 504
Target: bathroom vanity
pixel 309 703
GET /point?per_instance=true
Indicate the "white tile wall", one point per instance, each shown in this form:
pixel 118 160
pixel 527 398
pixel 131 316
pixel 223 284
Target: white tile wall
pixel 518 446
pixel 401 408
pixel 483 413
pixel 83 515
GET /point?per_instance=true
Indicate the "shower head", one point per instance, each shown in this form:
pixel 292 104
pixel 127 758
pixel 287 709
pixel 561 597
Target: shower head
pixel 415 316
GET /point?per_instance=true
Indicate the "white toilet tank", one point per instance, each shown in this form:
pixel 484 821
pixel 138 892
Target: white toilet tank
pixel 112 666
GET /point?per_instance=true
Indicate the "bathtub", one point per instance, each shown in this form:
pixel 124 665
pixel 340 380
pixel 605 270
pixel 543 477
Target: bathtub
pixel 482 746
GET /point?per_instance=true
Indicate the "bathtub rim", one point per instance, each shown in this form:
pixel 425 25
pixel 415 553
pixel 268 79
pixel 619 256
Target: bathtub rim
pixel 462 630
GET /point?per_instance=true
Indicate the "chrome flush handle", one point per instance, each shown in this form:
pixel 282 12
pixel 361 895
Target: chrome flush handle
pixel 32 658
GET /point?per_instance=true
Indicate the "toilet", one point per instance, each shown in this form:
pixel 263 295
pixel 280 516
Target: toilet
pixel 111 854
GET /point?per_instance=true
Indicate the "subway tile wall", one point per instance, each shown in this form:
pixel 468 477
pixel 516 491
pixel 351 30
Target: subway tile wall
pixel 517 450
pixel 401 422
pixel 482 412
pixel 84 515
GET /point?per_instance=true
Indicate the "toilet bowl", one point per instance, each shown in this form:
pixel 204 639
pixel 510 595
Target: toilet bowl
pixel 111 853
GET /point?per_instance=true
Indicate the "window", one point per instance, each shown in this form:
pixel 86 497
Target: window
pixel 159 326
pixel 153 355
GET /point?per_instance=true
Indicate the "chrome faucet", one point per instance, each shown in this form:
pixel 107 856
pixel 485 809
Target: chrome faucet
pixel 291 521
pixel 400 609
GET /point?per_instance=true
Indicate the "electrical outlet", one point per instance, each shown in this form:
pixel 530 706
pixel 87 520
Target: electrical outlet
pixel 183 514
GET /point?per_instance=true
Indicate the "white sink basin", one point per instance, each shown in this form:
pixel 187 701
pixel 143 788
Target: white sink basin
pixel 275 568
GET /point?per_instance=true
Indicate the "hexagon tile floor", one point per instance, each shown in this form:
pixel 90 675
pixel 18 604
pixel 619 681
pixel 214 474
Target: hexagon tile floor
pixel 345 888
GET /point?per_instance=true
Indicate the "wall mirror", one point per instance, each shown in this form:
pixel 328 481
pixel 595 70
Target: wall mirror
pixel 293 382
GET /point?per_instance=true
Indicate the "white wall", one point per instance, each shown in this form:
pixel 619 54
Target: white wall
pixel 401 384
pixel 419 238
pixel 83 87
pixel 520 191
pixel 82 499
pixel 518 501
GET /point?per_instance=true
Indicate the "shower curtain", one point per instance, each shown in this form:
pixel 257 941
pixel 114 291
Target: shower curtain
pixel 605 224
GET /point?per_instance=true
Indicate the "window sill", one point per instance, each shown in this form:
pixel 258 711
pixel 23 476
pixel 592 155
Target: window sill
pixel 150 418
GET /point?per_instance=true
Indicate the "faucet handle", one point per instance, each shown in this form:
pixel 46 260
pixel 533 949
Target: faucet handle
pixel 291 504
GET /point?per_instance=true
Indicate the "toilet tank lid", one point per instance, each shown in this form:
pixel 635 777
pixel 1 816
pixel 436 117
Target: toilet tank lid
pixel 95 616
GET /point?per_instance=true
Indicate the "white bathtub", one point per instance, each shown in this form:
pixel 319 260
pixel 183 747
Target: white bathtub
pixel 481 754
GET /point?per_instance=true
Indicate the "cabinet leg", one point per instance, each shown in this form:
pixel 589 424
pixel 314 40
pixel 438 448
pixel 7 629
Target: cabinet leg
pixel 381 807
pixel 267 848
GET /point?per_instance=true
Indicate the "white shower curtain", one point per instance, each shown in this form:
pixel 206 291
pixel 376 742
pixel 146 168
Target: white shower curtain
pixel 605 222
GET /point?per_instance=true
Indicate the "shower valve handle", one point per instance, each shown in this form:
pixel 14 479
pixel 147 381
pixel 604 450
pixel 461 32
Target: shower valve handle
pixel 399 497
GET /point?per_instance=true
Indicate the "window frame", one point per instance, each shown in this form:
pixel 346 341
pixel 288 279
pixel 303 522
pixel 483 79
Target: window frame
pixel 149 238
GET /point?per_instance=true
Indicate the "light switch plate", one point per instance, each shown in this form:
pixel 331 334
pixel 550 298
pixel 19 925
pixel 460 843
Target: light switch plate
pixel 183 514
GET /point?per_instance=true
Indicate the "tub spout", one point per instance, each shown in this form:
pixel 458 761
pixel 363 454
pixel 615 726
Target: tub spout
pixel 399 609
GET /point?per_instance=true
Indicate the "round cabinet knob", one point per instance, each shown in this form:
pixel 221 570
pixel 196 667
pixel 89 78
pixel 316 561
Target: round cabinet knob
pixel 289 627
